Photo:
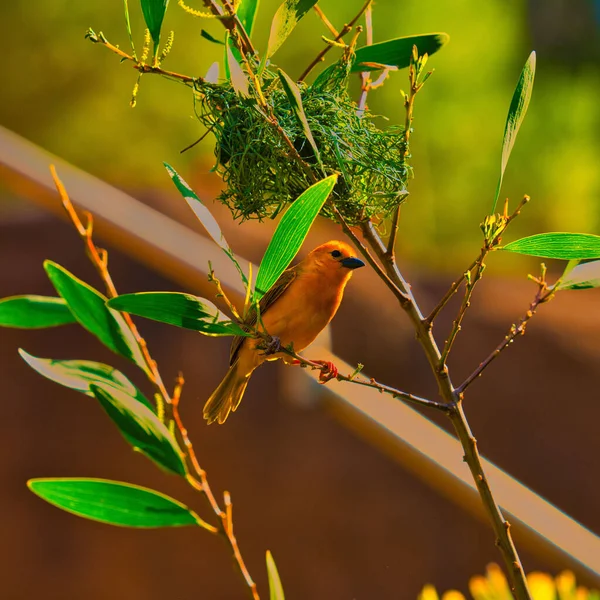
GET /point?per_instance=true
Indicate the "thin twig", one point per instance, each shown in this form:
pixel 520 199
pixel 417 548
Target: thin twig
pixel 345 29
pixel 221 293
pixel 414 73
pixel 493 230
pixel 456 284
pixel 371 383
pixel 473 278
pixel 196 475
pixel 325 20
pixel 543 295
pixel 452 290
pixel 139 65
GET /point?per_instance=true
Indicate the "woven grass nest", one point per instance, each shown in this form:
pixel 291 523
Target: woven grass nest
pixel 262 177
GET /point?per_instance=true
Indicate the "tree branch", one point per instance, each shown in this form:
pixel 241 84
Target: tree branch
pixel 345 29
pixel 371 383
pixel 543 295
pixel 141 67
pixel 409 102
pixel 494 242
pixel 501 527
pixel 473 278
pixel 196 476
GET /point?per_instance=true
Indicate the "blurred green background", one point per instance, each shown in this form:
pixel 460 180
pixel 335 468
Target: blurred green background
pixel 72 97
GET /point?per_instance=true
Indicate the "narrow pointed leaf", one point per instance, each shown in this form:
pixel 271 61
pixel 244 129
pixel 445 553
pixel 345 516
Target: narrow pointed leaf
pixel 275 587
pixel 80 375
pixel 115 502
pixel 204 216
pixel 34 312
pixel 154 13
pixel 182 310
pixel 210 38
pixel 295 99
pixel 397 52
pixel 89 308
pixel 284 21
pixel 238 78
pixel 128 27
pixel 566 246
pixel 291 233
pixel 516 114
pixel 141 428
pixel 581 277
pixel 246 13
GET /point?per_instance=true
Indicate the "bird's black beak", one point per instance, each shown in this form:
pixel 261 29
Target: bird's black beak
pixel 352 262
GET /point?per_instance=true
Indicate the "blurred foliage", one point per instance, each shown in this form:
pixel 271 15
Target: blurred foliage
pixel 73 98
pixel 493 586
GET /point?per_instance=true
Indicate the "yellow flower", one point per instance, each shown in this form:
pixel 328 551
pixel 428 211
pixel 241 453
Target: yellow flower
pixel 493 586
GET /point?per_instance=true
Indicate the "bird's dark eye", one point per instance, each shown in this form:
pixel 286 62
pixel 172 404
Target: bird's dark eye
pixel 336 253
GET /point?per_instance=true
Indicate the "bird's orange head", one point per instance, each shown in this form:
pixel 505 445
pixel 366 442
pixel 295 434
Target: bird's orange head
pixel 334 258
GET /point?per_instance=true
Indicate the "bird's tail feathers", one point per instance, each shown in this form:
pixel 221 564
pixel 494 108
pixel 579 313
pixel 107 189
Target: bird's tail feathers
pixel 226 397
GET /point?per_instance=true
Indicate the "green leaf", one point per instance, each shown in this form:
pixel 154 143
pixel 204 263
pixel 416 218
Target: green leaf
pixel 211 38
pixel 204 216
pixel 128 26
pixel 284 21
pixel 290 234
pixel 246 13
pixel 275 587
pixel 516 114
pixel 581 277
pixel 89 308
pixel 141 428
pixel 397 52
pixel 115 503
pixel 154 13
pixel 182 310
pixel 293 94
pixel 238 78
pixel 566 246
pixel 34 312
pixel 81 374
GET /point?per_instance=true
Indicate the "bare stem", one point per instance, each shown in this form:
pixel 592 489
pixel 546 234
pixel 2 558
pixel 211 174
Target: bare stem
pixel 543 295
pixel 138 65
pixel 196 475
pixel 452 290
pixel 231 22
pixel 326 368
pixel 472 279
pixel 501 527
pixel 345 29
pixel 414 74
pixel 493 242
pixel 325 20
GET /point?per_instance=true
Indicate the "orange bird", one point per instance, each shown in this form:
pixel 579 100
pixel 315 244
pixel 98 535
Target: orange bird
pixel 294 311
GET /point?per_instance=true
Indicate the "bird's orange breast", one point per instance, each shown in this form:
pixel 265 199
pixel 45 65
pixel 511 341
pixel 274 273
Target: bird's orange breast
pixel 304 309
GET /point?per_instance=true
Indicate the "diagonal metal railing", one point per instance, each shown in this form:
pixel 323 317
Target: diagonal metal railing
pixel 418 444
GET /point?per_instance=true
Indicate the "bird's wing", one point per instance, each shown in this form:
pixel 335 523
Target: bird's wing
pixel 265 303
